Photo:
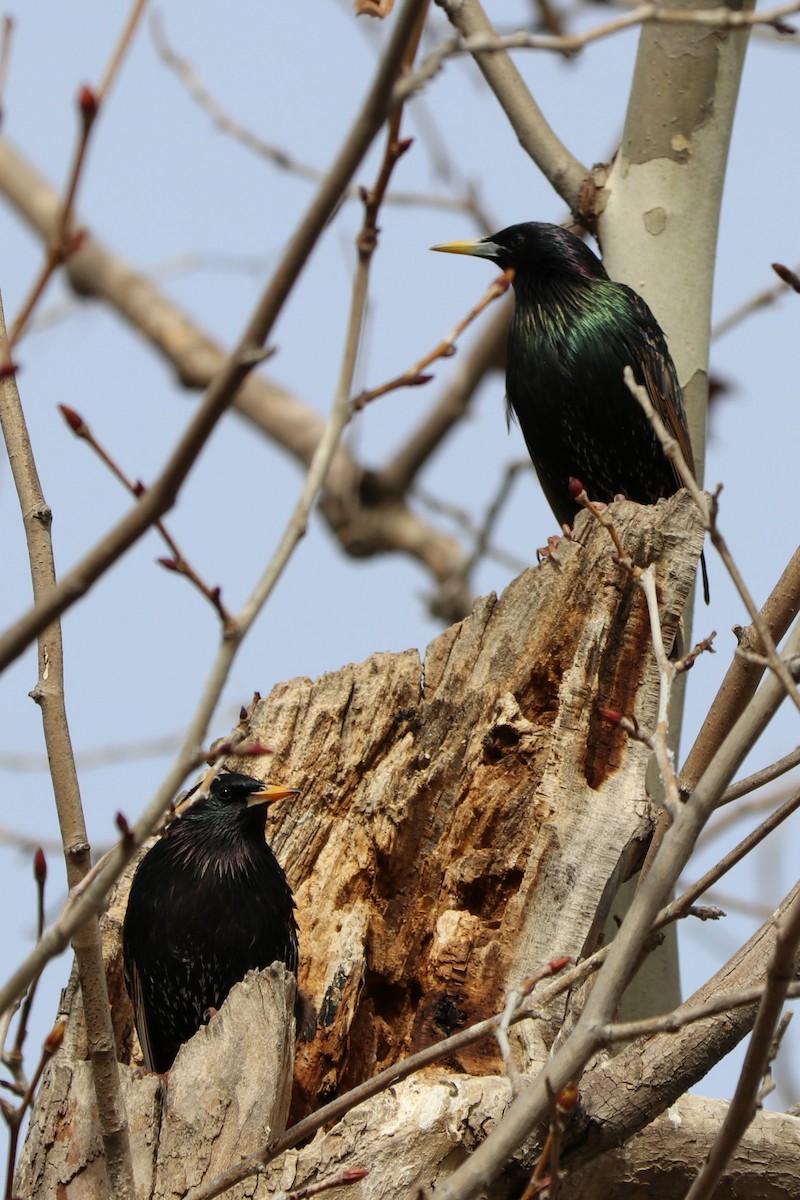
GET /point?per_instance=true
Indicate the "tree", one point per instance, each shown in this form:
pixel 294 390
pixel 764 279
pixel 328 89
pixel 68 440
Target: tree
pixel 378 972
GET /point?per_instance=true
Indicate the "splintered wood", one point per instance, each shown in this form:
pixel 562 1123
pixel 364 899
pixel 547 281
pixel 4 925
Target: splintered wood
pixel 467 817
pixel 463 819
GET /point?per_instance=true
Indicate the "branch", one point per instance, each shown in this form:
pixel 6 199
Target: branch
pixel 277 155
pixel 564 171
pixel 742 678
pixel 385 525
pixel 161 495
pixel 49 695
pixel 742 1108
pixel 373 112
pixel 484 354
pixel 524 1114
pixel 708 508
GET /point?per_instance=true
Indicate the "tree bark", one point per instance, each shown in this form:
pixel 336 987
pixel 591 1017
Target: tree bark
pixel 464 819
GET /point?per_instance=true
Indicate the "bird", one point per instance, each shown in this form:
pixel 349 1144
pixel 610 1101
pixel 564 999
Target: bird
pixel 208 903
pixel 573 332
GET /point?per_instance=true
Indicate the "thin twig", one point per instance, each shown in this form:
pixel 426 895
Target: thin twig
pixel 688 1014
pixel 5 53
pixel 489 43
pixel 760 300
pixel 742 1107
pixel 444 349
pixel 742 679
pixel 376 106
pixel 708 509
pixel 471 366
pixel 281 158
pixel 766 775
pixel 49 695
pixel 666 676
pixel 64 241
pixel 178 562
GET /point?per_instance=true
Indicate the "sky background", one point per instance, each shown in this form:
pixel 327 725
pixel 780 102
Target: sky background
pixel 174 196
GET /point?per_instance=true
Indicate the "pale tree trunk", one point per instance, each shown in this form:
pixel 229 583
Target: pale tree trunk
pixel 658 231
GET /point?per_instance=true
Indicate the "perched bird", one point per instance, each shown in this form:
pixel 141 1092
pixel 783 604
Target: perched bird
pixel 572 334
pixel 209 902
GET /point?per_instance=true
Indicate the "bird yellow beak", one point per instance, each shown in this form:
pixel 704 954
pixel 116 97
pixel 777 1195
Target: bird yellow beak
pixel 468 247
pixel 481 247
pixel 269 794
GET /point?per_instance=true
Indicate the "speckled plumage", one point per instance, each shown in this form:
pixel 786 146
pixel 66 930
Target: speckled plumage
pixel 572 334
pixel 209 902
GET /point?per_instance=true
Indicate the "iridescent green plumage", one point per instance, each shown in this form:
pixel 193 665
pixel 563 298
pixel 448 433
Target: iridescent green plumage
pixel 572 334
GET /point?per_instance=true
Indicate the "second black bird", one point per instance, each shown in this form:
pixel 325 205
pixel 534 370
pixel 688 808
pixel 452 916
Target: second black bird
pixel 209 902
pixel 573 332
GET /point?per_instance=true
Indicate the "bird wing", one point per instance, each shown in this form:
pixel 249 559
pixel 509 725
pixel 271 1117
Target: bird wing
pixel 133 982
pixel 660 379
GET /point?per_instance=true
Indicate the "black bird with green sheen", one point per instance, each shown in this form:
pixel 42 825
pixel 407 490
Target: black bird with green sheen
pixel 572 334
pixel 209 902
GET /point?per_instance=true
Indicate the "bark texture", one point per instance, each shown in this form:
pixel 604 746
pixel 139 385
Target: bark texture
pixel 464 818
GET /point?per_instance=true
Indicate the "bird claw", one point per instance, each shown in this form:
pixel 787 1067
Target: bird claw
pixel 550 550
pixel 209 1013
pixel 144 1072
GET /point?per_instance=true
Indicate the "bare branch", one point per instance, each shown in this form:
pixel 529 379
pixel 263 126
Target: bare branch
pixel 742 678
pixel 709 510
pixel 742 1108
pixel 161 494
pixel 49 695
pixel 368 122
pixel 565 172
pixel 281 158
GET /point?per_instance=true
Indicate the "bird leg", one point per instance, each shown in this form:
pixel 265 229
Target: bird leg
pixel 550 551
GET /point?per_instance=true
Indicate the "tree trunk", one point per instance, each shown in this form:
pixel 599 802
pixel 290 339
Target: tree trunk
pixel 463 820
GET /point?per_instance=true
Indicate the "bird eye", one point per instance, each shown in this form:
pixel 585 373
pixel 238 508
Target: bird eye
pixel 224 792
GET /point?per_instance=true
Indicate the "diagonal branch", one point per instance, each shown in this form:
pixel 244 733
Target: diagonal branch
pixel 537 138
pixel 374 111
pixel 49 695
pixel 219 396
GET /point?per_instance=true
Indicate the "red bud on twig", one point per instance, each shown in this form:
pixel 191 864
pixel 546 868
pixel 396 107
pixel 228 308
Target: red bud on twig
pixel 87 103
pixel 121 822
pixel 611 715
pixel 8 368
pixel 558 964
pixel 39 866
pixel 575 487
pixel 169 564
pixel 787 275
pixel 253 749
pixel 74 420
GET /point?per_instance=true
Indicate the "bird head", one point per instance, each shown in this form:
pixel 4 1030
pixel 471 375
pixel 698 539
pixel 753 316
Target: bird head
pixel 534 249
pixel 233 790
